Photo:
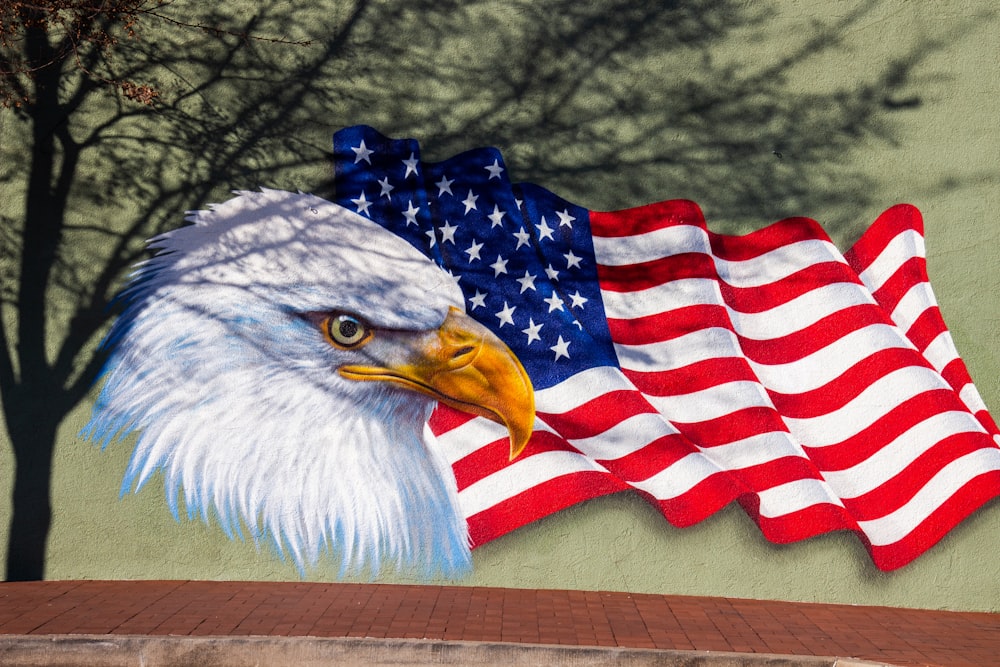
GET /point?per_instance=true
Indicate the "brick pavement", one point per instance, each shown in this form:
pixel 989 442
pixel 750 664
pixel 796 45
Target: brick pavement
pixel 581 618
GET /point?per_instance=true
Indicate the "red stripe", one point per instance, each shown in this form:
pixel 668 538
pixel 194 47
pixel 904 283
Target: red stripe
pixel 598 415
pixel 966 500
pixel 654 458
pixel 776 472
pixel 844 388
pixel 495 456
pixel 637 277
pixel 957 375
pixel 896 491
pixel 779 292
pixel 445 418
pixel 799 525
pixel 539 501
pixel 894 423
pixel 702 501
pixel 644 219
pixel 986 420
pixel 653 217
pixel 737 425
pixel 693 377
pixel 668 325
pixel 928 326
pixel 813 338
pixel 762 241
pixel 912 272
pixel 889 225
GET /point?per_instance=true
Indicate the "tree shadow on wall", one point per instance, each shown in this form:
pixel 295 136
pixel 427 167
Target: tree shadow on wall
pixel 608 104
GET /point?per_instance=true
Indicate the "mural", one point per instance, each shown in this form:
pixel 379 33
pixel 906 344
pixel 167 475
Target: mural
pixel 441 356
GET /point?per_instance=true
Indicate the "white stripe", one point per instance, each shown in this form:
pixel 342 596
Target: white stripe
pixel 463 440
pixel 651 246
pixel 777 264
pixel 755 450
pixel 781 320
pixel 952 477
pixel 970 396
pixel 941 351
pixel 829 363
pixel 916 300
pixel 661 298
pixel 711 403
pixel 903 247
pixel 670 241
pixel 678 478
pixel 626 437
pixel 678 352
pixel 794 496
pixel 801 312
pixel 866 408
pixel 521 475
pixel 581 388
pixel 893 458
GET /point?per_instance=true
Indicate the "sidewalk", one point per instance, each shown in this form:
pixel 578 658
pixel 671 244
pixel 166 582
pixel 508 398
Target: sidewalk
pixel 455 613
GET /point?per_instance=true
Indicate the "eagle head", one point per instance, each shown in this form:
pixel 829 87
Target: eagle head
pixel 279 359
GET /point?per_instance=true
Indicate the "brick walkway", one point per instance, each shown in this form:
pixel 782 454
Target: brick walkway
pixel 897 636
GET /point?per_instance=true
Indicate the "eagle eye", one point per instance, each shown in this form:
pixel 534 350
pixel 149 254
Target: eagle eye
pixel 346 331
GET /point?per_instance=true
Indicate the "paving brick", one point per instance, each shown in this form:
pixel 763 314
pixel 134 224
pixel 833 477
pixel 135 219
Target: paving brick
pixel 585 618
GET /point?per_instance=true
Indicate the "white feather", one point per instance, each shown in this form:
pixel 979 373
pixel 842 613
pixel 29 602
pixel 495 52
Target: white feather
pixel 236 397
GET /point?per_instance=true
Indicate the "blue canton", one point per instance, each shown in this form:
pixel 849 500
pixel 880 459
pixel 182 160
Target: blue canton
pixel 522 256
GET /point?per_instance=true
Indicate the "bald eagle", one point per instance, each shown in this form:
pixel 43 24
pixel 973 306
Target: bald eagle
pixel 279 359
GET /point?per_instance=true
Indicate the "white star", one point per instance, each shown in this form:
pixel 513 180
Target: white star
pixel 470 202
pixel 444 185
pixel 473 250
pixel 555 303
pixel 506 316
pixel 494 170
pixel 411 214
pixel 477 301
pixel 572 260
pixel 386 188
pixel 518 202
pixel 430 235
pixel 532 331
pixel 561 348
pixel 523 238
pixel 362 203
pixel 411 165
pixel 544 231
pixel 552 273
pixel 578 299
pixel 565 219
pixel 499 266
pixel 527 282
pixel 448 232
pixel 496 216
pixel 361 153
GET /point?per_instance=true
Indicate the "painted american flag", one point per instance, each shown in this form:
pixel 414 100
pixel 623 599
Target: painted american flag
pixel 820 391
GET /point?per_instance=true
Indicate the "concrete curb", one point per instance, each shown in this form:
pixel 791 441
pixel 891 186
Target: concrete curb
pixel 175 651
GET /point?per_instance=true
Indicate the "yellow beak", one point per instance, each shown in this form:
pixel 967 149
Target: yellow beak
pixel 464 365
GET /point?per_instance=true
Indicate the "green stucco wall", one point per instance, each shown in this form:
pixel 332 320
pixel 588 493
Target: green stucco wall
pixel 867 103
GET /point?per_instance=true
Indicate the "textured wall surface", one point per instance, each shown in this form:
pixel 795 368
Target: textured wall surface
pixel 829 110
